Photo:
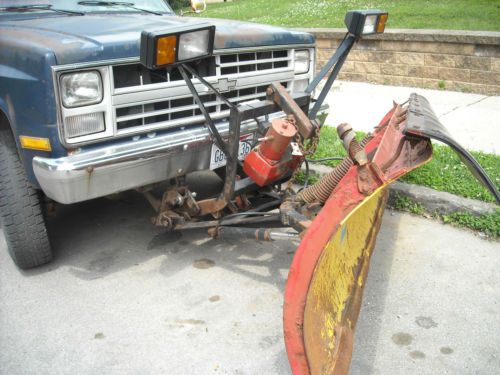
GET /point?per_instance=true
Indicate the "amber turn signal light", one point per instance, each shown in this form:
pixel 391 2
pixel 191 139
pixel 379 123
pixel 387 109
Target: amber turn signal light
pixel 381 22
pixel 35 143
pixel 166 48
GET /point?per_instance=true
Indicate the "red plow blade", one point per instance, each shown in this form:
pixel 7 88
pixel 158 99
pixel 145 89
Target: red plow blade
pixel 328 273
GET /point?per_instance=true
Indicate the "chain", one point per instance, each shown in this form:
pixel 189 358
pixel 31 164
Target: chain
pixel 306 151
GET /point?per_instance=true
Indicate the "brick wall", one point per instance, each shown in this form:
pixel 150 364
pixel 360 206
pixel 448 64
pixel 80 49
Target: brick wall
pixel 465 61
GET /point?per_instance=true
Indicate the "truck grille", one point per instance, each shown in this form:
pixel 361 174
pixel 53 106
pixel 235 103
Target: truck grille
pixel 159 99
pixel 253 62
pixel 177 112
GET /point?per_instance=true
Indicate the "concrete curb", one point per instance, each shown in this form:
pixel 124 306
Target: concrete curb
pixel 432 200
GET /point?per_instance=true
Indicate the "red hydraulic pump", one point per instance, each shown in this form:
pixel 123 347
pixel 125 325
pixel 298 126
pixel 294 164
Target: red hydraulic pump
pixel 274 157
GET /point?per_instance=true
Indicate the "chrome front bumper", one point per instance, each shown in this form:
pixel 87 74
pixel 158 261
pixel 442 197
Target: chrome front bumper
pixel 115 168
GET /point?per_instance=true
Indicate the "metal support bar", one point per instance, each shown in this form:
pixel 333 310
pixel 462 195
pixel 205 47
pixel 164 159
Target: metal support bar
pixel 208 206
pixel 278 94
pixel 259 234
pixel 346 45
pixel 289 216
pixel 335 62
pixel 328 85
pixel 235 119
pixel 209 122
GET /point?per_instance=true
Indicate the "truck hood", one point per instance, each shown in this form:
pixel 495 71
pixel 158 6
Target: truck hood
pixel 105 37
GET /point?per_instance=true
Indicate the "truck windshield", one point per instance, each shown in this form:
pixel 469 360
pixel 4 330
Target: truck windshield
pixel 150 6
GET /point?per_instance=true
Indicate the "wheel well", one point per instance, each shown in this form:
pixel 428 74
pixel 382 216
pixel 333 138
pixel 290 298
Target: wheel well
pixel 4 121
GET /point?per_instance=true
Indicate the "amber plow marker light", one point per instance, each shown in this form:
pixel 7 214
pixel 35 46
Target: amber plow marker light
pixel 176 45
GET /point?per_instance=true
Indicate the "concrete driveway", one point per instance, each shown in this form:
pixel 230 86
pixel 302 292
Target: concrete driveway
pixel 124 298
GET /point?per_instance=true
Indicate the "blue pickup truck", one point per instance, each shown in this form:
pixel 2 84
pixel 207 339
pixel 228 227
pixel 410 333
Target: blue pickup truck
pixel 81 118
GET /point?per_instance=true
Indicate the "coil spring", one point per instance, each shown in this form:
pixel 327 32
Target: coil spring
pixel 320 191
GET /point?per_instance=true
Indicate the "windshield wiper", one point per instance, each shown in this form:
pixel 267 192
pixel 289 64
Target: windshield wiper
pixel 40 7
pixel 117 3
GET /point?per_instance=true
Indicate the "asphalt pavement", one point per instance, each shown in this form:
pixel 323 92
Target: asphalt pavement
pixel 124 298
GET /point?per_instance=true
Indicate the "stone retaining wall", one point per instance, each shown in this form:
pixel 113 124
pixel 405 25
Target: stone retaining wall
pixel 466 61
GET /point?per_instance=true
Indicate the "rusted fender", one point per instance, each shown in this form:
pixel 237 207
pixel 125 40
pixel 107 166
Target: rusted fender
pixel 328 273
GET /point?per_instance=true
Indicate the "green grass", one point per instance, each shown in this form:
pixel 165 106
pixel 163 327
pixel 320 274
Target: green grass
pixel 406 204
pixel 445 172
pixel 488 224
pixel 409 14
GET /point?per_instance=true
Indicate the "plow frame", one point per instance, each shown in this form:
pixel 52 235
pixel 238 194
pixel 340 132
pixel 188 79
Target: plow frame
pixel 338 231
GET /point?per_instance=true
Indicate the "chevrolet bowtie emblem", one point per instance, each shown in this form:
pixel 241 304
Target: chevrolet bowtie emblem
pixel 225 85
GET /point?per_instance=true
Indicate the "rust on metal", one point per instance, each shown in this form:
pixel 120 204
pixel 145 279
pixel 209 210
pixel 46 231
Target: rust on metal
pixel 177 206
pixel 322 190
pixel 278 137
pixel 365 179
pixel 326 278
pixel 278 94
pixel 351 145
pixel 211 206
pixel 290 216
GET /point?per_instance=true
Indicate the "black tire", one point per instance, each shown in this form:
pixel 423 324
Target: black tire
pixel 20 210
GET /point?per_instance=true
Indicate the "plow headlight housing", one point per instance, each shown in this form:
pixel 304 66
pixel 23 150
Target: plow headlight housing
pixel 176 45
pixel 366 22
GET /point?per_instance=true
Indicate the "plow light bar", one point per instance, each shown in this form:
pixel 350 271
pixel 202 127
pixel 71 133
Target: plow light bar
pixel 176 45
pixel 366 22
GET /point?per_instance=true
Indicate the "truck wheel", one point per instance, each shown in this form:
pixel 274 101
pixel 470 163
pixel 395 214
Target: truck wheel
pixel 20 210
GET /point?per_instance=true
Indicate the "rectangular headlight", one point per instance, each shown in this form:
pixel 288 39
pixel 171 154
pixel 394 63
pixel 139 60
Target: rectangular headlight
pixel 302 61
pixel 176 45
pixel 370 24
pixel 366 22
pixel 80 89
pixel 193 45
pixel 77 126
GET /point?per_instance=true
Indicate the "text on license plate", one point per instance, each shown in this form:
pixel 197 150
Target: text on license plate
pixel 218 158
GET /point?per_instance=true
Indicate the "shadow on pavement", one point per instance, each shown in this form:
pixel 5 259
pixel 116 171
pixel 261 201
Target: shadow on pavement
pixel 104 236
pixel 370 319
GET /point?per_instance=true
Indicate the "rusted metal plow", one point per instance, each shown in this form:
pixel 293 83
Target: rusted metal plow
pixel 326 280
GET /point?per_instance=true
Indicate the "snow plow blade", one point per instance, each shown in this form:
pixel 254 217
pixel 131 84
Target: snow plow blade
pixel 328 273
pixel 329 270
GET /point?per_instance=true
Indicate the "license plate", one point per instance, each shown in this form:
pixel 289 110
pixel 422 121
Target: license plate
pixel 218 158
